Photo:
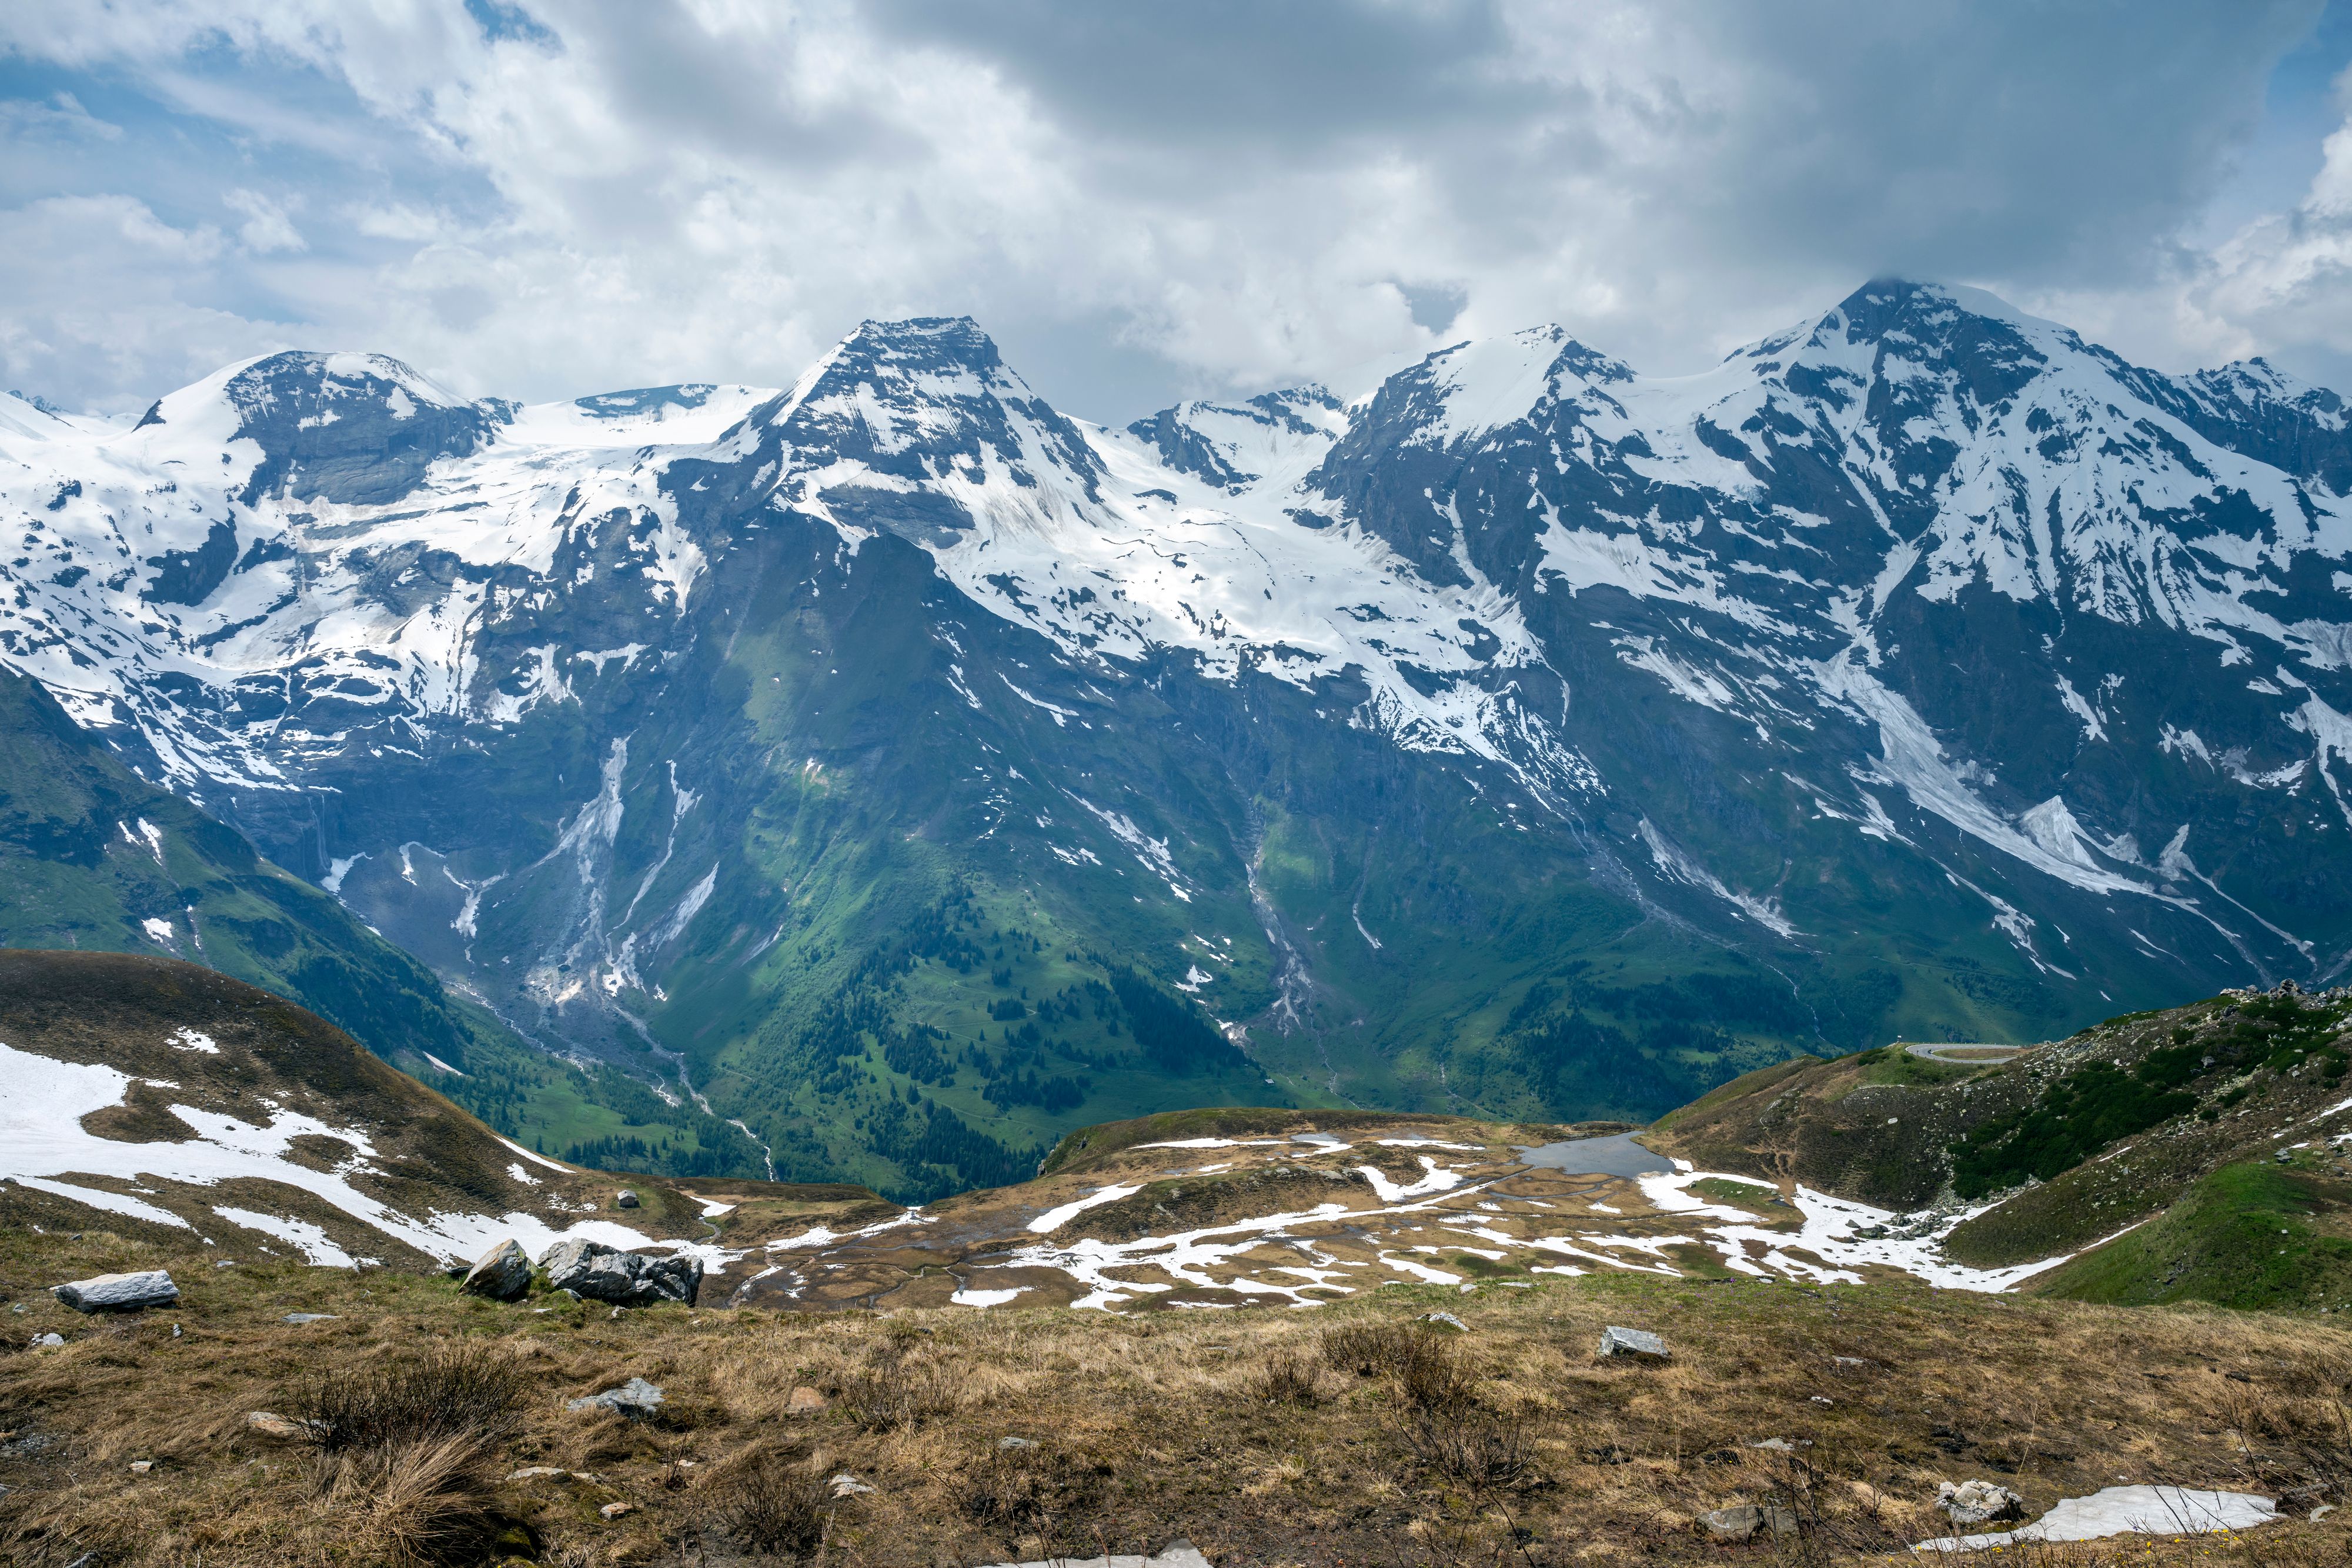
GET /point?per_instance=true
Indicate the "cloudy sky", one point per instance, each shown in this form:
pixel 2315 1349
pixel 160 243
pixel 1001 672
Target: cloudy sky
pixel 1143 201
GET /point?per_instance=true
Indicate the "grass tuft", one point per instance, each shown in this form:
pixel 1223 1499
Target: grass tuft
pixel 445 1393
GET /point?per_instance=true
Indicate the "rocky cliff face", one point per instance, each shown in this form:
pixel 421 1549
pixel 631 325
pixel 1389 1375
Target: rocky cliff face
pixel 912 771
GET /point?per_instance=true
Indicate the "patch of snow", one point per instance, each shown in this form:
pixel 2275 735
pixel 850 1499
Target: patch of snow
pixel 2127 1510
pixel 969 1297
pixel 1052 1219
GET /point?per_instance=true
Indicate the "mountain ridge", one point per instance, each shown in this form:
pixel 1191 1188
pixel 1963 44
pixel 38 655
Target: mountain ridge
pixel 1528 733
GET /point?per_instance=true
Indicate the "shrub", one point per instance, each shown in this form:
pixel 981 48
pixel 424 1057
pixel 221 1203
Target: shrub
pixel 1434 1379
pixel 1286 1379
pixel 768 1506
pixel 895 1389
pixel 1368 1350
pixel 1469 1445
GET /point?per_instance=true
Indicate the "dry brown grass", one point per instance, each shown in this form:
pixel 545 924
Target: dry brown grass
pixel 1508 1444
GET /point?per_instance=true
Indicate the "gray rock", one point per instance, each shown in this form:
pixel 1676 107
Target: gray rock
pixel 503 1273
pixel 119 1292
pixel 626 1279
pixel 1742 1521
pixel 624 1199
pixel 1446 1319
pixel 273 1428
pixel 1632 1342
pixel 1978 1502
pixel 636 1399
pixel 47 1341
pixel 1003 1443
pixel 299 1319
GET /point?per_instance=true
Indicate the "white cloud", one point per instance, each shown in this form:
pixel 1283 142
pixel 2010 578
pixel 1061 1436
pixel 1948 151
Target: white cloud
pixel 266 225
pixel 60 118
pixel 1143 200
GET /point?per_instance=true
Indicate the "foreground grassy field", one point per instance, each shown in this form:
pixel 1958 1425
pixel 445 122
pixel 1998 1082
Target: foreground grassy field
pixel 1351 1434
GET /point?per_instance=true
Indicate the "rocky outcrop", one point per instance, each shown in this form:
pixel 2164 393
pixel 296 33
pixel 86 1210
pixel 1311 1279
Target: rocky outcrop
pixel 602 1273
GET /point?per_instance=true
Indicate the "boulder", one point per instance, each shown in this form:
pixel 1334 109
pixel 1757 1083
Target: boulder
pixel 625 1198
pixel 1978 1502
pixel 119 1292
pixel 47 1341
pixel 636 1399
pixel 1742 1521
pixel 1446 1321
pixel 626 1279
pixel 503 1273
pixel 1634 1342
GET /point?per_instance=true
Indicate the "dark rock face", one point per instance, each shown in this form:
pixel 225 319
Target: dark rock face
pixel 602 1273
pixel 355 429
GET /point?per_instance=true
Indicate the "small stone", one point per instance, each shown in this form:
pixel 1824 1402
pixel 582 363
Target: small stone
pixel 1742 1521
pixel 276 1428
pixel 847 1485
pixel 536 1473
pixel 625 1198
pixel 47 1341
pixel 1773 1445
pixel 616 1509
pixel 1978 1502
pixel 141 1467
pixel 299 1319
pixel 223 1263
pixel 1632 1342
pixel 502 1274
pixel 1004 1442
pixel 1446 1321
pixel 1819 1399
pixel 119 1292
pixel 636 1399
pixel 805 1401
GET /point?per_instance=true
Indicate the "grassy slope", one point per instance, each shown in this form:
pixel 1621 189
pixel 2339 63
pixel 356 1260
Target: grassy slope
pixel 2245 1236
pixel 1154 1428
pixel 2060 1137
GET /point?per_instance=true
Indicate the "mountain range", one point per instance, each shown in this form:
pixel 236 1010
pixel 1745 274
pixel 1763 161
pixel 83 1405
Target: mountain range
pixel 880 776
